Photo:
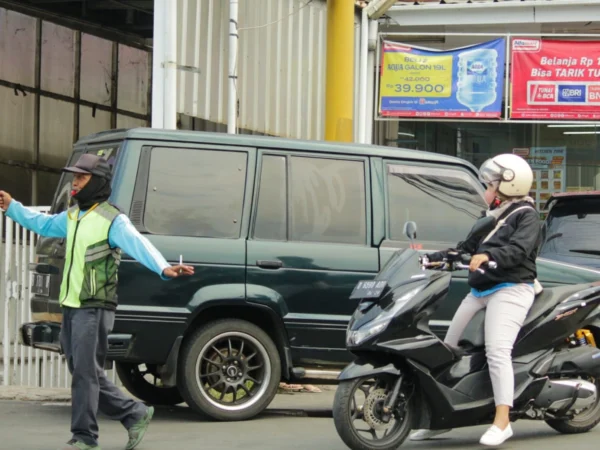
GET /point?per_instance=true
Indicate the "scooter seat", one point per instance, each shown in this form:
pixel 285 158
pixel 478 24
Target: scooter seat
pixel 474 335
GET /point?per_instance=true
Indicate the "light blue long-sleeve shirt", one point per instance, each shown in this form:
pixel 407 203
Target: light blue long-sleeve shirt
pixel 122 234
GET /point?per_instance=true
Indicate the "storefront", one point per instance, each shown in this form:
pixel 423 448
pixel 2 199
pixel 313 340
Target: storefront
pixel 478 141
pixel 481 87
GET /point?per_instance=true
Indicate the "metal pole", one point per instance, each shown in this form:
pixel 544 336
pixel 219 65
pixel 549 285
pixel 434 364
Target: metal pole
pixel 488 8
pixel 158 56
pixel 377 77
pixel 339 83
pixel 23 300
pixel 373 28
pixel 363 86
pixel 170 100
pixel 17 300
pixel 508 97
pixel 233 54
pixel 455 120
pixel 6 278
pixel 540 35
pixel 36 109
pixel 30 360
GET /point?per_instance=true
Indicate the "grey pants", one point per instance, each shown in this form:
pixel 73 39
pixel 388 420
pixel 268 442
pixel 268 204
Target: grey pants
pixel 506 311
pixel 84 340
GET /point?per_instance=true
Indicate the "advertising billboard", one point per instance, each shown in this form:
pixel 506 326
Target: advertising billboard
pixel 553 79
pixel 419 82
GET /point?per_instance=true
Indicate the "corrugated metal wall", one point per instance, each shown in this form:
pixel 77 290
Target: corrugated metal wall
pixel 57 84
pixel 281 72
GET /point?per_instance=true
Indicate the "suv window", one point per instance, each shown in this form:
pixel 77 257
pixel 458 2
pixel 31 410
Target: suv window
pixel 571 229
pixel 61 203
pixel 194 192
pixel 271 211
pixel 325 202
pixel 443 202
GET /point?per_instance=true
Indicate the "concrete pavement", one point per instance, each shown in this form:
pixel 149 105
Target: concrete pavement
pixel 293 421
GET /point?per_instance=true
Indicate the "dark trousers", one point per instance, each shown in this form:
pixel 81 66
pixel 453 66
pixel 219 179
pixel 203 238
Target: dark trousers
pixel 84 340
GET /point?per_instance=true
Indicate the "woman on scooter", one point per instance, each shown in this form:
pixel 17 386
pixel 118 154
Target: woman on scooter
pixel 506 292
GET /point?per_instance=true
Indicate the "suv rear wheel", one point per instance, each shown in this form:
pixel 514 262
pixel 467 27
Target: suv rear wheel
pixel 230 370
pixel 144 383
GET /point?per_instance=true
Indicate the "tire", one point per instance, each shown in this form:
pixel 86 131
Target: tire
pixel 344 422
pixel 581 423
pixel 133 377
pixel 229 370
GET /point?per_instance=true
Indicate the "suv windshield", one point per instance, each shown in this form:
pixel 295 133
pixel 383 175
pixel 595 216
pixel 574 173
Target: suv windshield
pixel 571 229
pixel 61 201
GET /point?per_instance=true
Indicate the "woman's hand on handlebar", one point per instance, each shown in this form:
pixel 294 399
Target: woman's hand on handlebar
pixel 477 261
pixel 426 263
pixel 437 256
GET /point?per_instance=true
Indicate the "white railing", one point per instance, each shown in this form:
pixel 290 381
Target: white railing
pixel 21 365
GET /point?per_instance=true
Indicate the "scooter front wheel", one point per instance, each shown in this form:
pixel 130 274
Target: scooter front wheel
pixel 363 418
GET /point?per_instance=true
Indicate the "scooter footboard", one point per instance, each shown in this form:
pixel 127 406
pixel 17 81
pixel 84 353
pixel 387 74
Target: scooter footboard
pixel 359 369
pixel 583 360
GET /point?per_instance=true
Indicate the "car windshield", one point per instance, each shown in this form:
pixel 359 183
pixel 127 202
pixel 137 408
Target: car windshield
pixel 572 229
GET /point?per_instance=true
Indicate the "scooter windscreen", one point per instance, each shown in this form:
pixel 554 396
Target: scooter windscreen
pixel 403 267
pixel 401 279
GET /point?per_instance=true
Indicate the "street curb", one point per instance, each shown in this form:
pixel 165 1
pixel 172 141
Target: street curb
pixel 35 394
pixel 297 404
pixel 317 413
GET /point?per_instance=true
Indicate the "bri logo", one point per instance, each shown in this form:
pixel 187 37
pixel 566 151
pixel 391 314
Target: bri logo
pixel 571 93
pixel 526 45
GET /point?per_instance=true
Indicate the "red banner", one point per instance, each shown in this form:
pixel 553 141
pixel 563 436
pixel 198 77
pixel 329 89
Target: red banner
pixel 555 79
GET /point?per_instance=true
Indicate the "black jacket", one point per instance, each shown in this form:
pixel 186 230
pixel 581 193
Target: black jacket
pixel 513 247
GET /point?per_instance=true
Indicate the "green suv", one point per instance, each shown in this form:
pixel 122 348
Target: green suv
pixel 279 231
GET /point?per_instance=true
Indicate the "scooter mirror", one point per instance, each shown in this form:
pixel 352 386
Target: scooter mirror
pixel 482 227
pixel 410 230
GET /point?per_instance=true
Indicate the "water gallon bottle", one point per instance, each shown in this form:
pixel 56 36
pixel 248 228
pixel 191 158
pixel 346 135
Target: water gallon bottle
pixel 477 78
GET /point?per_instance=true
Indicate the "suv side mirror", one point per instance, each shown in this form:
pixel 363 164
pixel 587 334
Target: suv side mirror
pixel 410 230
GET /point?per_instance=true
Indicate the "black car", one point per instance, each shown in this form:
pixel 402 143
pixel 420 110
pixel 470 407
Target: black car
pixel 571 229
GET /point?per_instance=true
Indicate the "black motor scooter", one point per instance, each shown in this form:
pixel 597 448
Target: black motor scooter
pixel 406 378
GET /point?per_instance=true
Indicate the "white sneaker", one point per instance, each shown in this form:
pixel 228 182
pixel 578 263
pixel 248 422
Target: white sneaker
pixel 495 436
pixel 423 435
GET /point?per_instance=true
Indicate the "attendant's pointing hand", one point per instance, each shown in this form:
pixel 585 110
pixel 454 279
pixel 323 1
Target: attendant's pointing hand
pixel 5 199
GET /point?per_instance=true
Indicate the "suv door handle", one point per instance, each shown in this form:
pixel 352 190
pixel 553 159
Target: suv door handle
pixel 274 265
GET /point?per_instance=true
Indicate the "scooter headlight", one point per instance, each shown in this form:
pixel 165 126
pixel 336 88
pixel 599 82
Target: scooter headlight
pixel 357 337
pixel 380 323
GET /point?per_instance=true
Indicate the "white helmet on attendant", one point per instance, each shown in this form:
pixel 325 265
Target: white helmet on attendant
pixel 510 174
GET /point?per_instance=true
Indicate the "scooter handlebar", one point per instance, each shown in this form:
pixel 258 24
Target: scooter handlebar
pixel 491 265
pixel 444 265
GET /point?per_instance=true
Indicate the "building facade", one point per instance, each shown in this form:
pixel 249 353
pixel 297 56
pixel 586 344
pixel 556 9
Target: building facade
pixel 69 70
pixel 574 141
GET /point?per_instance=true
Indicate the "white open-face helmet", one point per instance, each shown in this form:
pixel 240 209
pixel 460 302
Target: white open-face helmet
pixel 510 174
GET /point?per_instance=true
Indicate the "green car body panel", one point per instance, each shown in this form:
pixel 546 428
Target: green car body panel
pixel 303 304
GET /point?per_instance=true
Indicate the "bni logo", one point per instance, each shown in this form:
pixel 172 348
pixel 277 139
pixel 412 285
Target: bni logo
pixel 526 45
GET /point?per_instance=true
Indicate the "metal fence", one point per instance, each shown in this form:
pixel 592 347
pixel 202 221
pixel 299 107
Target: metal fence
pixel 21 365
